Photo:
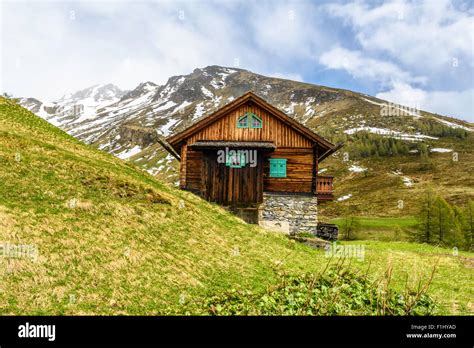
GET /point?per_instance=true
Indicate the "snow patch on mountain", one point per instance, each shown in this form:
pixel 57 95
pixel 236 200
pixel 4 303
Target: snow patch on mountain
pixel 165 106
pixel 407 181
pixel 207 92
pixel 440 149
pixel 290 109
pixel 199 111
pixel 74 108
pixel 343 198
pixel 166 129
pixel 220 81
pixel 390 133
pixel 182 106
pixel 357 169
pixel 129 153
pixel 454 125
pixel 373 102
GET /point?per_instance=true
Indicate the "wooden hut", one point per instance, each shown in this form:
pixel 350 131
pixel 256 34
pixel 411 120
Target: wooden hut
pixel 249 149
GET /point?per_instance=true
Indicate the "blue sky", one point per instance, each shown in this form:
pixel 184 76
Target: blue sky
pixel 417 53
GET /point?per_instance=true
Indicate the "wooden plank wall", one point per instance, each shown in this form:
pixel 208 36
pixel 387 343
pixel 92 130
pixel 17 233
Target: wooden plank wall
pixel 193 169
pixel 299 171
pixel 273 130
pixel 182 167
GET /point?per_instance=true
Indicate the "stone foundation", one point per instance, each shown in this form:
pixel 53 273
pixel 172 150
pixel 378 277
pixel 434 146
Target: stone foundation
pixel 289 213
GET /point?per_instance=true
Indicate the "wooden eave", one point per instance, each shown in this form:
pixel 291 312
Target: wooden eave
pixel 211 144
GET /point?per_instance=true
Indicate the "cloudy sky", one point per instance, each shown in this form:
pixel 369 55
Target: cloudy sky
pixel 418 53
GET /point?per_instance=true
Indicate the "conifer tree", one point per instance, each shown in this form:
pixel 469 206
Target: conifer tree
pixel 443 220
pixel 426 227
pixel 468 225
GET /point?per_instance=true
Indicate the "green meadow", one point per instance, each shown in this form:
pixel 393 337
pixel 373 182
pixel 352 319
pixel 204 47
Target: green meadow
pixel 86 233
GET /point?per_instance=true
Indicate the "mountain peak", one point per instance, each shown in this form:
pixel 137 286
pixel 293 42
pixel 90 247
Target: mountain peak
pixel 96 93
pixel 141 89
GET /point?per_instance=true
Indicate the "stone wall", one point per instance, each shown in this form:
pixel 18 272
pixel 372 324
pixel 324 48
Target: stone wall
pixel 289 213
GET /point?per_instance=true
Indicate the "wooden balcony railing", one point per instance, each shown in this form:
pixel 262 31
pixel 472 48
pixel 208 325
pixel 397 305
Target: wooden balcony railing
pixel 324 187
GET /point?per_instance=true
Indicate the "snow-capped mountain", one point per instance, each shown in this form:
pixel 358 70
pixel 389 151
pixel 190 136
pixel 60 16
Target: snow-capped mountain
pixel 127 123
pixel 74 108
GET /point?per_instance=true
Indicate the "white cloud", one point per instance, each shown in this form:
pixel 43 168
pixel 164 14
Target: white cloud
pixel 425 34
pixel 419 53
pixel 404 48
pixel 120 42
pixel 53 50
pixel 287 29
pixel 361 67
pixel 449 103
pixel 404 94
pixel 398 84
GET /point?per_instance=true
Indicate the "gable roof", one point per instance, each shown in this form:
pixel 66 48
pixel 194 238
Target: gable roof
pixel 249 96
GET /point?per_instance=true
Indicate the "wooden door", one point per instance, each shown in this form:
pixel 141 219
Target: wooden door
pixel 231 186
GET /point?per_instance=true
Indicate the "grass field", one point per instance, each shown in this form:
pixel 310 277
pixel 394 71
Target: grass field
pixel 453 278
pixel 382 228
pixel 86 233
pixel 382 223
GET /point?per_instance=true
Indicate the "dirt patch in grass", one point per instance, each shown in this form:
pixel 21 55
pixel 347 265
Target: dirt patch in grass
pixel 6 221
pixel 467 261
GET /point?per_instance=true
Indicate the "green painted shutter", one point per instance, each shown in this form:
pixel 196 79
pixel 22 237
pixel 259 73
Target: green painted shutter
pixel 278 167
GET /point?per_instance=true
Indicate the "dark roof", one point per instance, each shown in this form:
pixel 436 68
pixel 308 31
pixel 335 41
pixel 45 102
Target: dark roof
pixel 234 144
pixel 306 132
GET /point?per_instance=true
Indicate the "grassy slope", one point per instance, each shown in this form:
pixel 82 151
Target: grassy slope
pixel 377 192
pixel 453 279
pixel 133 245
pixel 127 247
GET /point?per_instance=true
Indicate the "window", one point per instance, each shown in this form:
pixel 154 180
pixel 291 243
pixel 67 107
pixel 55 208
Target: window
pixel 243 122
pixel 249 120
pixel 278 167
pixel 256 122
pixel 235 159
